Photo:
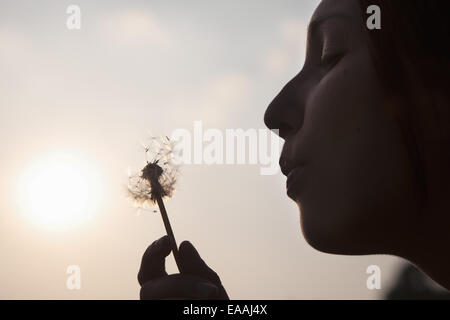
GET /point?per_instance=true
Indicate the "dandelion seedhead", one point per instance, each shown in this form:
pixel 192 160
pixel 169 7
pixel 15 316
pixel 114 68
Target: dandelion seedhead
pixel 155 182
pixel 158 177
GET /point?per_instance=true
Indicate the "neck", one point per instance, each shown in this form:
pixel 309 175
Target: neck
pixel 430 240
pixel 430 248
pixel 436 264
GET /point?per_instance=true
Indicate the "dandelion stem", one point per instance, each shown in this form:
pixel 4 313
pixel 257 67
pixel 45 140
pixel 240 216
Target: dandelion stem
pixel 169 231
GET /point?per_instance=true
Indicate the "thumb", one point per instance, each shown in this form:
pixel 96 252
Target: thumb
pixel 191 263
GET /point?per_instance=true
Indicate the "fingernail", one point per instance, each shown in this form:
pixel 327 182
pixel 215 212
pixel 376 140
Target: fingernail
pixel 205 290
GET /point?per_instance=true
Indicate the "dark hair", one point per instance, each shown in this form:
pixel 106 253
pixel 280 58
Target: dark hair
pixel 412 59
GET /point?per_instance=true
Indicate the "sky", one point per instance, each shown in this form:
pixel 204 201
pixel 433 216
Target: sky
pixel 88 97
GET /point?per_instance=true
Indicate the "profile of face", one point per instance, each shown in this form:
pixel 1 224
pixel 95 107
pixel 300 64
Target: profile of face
pixel 347 166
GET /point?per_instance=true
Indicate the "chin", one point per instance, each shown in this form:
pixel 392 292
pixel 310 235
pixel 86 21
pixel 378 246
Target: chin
pixel 336 238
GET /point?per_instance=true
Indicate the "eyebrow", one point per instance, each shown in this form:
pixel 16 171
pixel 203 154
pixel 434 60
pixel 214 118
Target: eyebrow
pixel 316 23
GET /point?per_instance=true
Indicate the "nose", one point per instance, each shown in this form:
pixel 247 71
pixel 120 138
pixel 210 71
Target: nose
pixel 286 112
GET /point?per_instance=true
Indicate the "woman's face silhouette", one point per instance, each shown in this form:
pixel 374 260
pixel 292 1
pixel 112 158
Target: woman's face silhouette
pixel 355 185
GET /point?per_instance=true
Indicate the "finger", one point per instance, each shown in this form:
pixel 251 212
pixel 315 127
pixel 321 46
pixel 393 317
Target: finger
pixel 178 286
pixel 153 261
pixel 191 263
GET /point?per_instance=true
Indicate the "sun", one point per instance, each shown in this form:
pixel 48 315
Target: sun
pixel 59 191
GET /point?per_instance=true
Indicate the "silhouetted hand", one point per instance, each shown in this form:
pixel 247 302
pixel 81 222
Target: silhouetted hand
pixel 196 280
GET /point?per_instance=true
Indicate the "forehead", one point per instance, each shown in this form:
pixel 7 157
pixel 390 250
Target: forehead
pixel 330 8
pixel 347 10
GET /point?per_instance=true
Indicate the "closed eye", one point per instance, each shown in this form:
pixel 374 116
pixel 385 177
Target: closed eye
pixel 328 61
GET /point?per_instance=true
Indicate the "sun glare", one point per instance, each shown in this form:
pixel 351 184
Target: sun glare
pixel 59 191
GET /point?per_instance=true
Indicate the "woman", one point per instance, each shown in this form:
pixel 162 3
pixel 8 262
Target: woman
pixel 366 125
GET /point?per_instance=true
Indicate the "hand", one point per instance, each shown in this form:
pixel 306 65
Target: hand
pixel 196 280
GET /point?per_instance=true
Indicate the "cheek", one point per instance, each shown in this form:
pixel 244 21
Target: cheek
pixel 359 181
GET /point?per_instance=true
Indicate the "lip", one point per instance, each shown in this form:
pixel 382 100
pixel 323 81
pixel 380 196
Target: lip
pixel 293 179
pixel 287 165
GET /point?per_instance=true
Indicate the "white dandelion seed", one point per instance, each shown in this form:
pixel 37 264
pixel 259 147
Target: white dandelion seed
pixel 158 177
pixel 156 181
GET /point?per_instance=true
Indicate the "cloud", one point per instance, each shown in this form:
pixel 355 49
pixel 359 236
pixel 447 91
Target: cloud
pixel 133 28
pixel 276 60
pixel 290 48
pixel 293 32
pixel 13 47
pixel 217 101
pixel 227 90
